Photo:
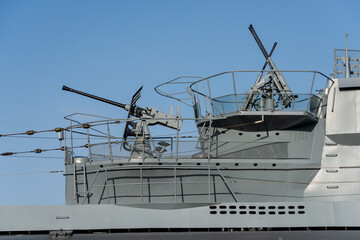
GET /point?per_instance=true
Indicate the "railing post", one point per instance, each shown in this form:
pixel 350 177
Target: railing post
pixel 312 85
pixel 72 163
pixel 211 104
pixel 71 141
pixel 89 145
pixel 84 176
pixel 64 148
pixel 272 93
pixel 177 139
pixel 109 141
pixel 209 140
pixel 206 100
pixel 198 99
pixel 222 106
pixel 334 62
pixel 143 138
pixel 236 100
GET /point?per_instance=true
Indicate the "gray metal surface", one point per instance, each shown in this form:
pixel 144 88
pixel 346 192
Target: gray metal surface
pixel 268 235
pixel 287 215
pixel 346 83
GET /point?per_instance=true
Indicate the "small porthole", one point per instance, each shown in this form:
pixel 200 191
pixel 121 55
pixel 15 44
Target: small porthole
pixel 179 163
pixel 101 166
pixel 242 212
pixel 120 164
pixel 213 212
pixel 301 207
pixel 212 207
pixel 160 163
pixel 277 134
pixel 242 207
pixel 271 207
pixel 281 212
pixel 261 207
pixel 255 164
pixel 252 212
pixel 223 212
pixel 258 135
pixel 232 207
pixel 217 164
pixel 140 164
pixel 262 213
pixel 198 163
pixel 301 212
pixel 291 207
pixel 236 164
pixel 274 164
pixel 252 207
pixel 281 207
pixel 240 134
pixel 222 207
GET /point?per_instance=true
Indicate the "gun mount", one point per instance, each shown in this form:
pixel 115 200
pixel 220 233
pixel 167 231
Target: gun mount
pixel 139 129
pixel 273 81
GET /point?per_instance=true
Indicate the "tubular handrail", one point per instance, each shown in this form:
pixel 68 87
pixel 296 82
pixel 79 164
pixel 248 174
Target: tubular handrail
pixel 172 146
pixel 259 71
pixel 207 102
pixel 174 81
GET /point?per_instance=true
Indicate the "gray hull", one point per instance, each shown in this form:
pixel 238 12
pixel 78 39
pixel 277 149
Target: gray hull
pixel 256 235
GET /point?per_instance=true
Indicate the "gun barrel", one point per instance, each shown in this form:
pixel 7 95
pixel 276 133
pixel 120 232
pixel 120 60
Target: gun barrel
pixel 258 41
pixel 65 88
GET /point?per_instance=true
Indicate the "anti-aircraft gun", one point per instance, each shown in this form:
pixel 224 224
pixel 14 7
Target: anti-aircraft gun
pixel 273 81
pixel 150 116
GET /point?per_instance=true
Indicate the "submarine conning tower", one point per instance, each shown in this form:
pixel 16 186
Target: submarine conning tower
pixel 267 120
pixel 258 140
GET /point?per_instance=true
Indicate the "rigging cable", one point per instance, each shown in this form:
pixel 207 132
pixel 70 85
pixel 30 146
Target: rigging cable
pixel 28 173
pixel 59 129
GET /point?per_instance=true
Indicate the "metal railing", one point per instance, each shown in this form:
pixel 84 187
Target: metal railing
pixel 100 140
pixel 209 100
pixel 226 92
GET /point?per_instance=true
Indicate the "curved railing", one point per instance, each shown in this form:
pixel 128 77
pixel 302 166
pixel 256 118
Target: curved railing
pixel 177 89
pixel 226 92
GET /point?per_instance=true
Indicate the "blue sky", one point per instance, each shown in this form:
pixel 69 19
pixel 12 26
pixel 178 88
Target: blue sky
pixel 111 48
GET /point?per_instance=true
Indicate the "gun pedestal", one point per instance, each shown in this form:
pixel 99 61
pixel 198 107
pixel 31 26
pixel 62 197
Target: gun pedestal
pixel 141 149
